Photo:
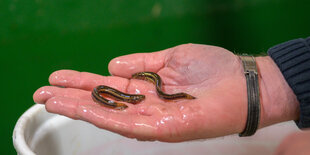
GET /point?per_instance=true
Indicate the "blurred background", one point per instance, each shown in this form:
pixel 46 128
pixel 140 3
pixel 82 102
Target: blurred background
pixel 38 37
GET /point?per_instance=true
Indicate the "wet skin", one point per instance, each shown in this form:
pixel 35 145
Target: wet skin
pixel 212 74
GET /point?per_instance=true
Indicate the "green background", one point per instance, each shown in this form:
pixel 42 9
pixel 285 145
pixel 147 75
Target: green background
pixel 38 37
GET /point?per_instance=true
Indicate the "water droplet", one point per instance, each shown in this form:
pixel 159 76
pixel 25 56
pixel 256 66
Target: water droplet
pixel 45 92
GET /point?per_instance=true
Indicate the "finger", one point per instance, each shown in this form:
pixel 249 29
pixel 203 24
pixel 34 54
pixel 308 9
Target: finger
pixel 47 92
pixel 129 125
pixel 65 106
pixel 127 65
pixel 68 106
pixel 85 80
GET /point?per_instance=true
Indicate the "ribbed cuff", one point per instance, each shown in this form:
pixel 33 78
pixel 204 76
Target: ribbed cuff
pixel 293 59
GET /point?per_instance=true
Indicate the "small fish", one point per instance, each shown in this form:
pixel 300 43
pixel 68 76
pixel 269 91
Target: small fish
pixel 155 79
pixel 133 98
pixel 117 95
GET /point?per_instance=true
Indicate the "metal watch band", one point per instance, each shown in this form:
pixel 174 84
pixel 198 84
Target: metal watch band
pixel 251 76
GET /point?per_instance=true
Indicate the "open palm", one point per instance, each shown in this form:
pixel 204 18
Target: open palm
pixel 212 74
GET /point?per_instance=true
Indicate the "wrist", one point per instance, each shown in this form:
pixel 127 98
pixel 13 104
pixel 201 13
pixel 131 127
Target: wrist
pixel 278 101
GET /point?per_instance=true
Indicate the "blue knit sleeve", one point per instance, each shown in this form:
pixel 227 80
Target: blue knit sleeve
pixel 293 59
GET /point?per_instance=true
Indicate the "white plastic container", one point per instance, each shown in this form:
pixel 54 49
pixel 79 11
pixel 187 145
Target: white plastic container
pixel 43 133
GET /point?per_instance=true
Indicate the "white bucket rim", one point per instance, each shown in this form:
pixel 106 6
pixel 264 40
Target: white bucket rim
pixel 19 140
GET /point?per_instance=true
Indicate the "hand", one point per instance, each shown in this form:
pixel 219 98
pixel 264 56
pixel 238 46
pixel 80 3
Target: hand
pixel 212 74
pixel 296 143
